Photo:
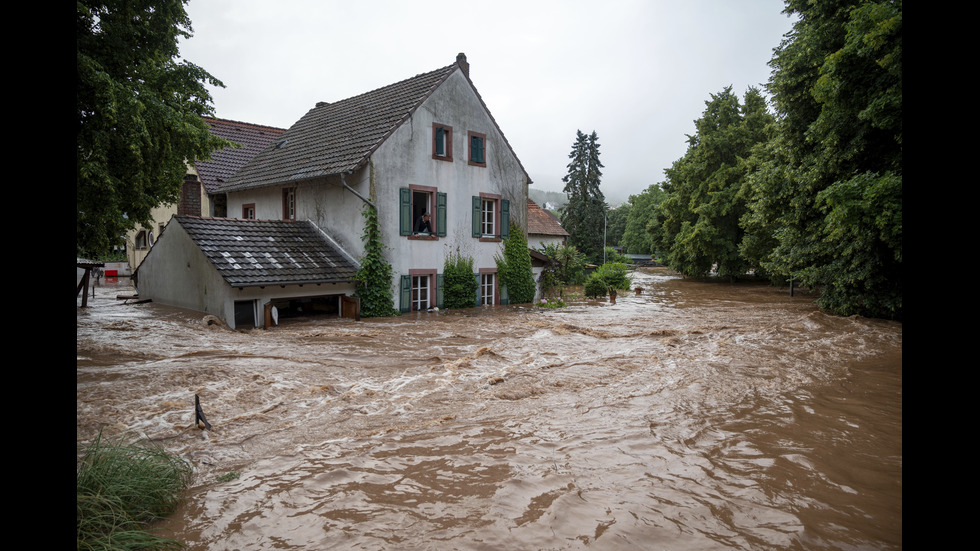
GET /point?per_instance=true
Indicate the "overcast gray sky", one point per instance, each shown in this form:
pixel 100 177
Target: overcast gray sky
pixel 638 72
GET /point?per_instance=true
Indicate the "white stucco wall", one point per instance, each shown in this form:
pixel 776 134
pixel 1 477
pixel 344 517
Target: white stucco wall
pixel 406 159
pixel 177 273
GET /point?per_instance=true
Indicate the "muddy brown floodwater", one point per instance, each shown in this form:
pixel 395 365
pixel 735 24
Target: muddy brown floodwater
pixel 693 417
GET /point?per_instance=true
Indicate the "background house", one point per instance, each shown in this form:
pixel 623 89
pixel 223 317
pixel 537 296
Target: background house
pixel 543 228
pixel 199 195
pixel 425 144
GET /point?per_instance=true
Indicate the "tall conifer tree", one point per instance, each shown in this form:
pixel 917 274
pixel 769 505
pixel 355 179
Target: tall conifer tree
pixel 584 215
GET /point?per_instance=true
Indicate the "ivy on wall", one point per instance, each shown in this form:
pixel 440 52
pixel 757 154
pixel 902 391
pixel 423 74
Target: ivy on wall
pixel 374 276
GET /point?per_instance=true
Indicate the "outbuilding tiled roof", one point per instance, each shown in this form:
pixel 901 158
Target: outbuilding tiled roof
pixel 252 253
pixel 542 222
pixel 338 137
pixel 224 163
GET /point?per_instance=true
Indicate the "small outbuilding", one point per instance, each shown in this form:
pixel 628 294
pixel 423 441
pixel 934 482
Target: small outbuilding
pixel 248 273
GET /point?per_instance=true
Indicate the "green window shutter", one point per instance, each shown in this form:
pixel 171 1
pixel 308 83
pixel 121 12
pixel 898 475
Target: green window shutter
pixel 476 215
pixel 504 218
pixel 441 214
pixel 439 286
pixel 477 275
pixel 406 294
pixel 504 298
pixel 405 211
pixel 476 149
pixel 441 141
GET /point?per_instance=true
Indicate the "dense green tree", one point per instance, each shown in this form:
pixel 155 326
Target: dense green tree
pixel 514 268
pixel 829 191
pixel 583 217
pixel 139 115
pixel 699 219
pixel 642 217
pixel 616 224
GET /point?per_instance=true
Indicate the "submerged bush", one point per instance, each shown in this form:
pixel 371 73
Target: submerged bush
pixel 595 286
pixel 121 487
pixel 612 275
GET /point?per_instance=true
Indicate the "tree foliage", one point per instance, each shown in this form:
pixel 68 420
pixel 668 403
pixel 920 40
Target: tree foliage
pixel 829 189
pixel 139 115
pixel 699 219
pixel 641 219
pixel 616 224
pixel 514 268
pixel 583 216
pixel 566 267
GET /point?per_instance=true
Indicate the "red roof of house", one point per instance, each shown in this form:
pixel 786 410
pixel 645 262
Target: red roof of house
pixel 542 222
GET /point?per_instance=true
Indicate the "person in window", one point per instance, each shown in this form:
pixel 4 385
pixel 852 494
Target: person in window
pixel 422 225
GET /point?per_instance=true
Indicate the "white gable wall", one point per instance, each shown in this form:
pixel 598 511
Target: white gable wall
pixel 406 159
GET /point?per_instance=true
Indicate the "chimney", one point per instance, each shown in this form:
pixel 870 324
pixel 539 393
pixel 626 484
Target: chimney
pixel 463 65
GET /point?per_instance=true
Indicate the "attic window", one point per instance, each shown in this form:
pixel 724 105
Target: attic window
pixel 281 144
pixel 442 142
pixel 478 149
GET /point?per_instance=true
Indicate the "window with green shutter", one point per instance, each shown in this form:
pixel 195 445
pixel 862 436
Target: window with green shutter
pixel 478 149
pixel 442 142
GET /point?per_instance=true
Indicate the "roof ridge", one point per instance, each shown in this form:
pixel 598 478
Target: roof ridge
pixel 243 123
pixel 447 69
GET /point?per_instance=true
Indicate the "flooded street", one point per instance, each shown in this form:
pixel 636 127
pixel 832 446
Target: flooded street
pixel 693 417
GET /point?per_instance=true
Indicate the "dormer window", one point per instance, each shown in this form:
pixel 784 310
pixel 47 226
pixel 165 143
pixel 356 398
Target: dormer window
pixel 442 142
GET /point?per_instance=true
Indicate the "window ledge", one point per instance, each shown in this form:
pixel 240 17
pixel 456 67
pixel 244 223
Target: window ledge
pixel 423 237
pixel 491 239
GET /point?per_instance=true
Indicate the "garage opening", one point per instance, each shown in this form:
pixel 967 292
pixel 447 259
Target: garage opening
pixel 305 307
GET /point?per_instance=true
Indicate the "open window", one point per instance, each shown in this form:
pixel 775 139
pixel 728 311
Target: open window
pixel 442 142
pixel 416 201
pixel 143 239
pixel 289 203
pixel 248 211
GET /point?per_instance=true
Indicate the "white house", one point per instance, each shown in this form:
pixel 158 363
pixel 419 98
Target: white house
pixel 427 144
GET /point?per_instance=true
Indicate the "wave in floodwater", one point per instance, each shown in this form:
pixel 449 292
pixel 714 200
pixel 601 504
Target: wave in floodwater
pixel 692 416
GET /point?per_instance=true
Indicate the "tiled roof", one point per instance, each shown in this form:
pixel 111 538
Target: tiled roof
pixel 251 253
pixel 338 137
pixel 224 163
pixel 542 222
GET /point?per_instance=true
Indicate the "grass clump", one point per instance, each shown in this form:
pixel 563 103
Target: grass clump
pixel 121 487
